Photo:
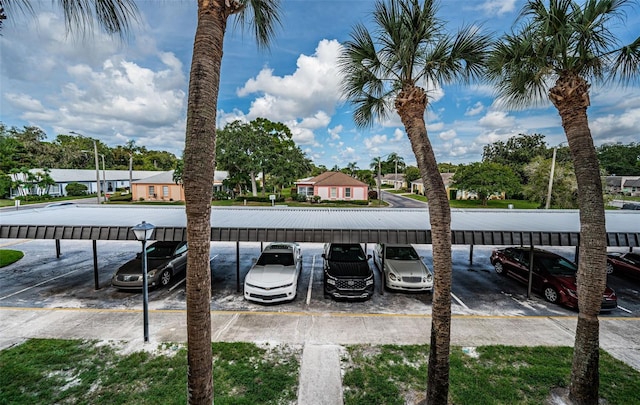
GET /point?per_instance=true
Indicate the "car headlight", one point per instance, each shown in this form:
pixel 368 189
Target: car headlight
pixel 331 281
pixel 393 276
pixel 428 278
pixel 152 273
pixel 369 281
pixel 572 293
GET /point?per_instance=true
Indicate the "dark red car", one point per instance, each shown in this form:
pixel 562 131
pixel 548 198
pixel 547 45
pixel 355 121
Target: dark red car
pixel 628 263
pixel 553 275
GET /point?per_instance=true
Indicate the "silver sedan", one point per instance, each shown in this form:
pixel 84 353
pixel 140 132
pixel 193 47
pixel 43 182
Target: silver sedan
pixel 402 268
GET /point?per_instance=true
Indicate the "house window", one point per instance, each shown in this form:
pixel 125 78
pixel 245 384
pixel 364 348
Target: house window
pixel 165 191
pixel 347 192
pixel 334 192
pixel 152 191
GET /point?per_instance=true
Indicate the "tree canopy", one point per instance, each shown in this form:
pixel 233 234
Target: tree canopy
pixel 486 179
pixel 260 146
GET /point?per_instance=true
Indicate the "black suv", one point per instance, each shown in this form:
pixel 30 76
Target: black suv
pixel 346 271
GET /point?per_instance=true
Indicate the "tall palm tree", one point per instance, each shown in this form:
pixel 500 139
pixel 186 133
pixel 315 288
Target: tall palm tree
pixel 560 46
pixel 199 165
pixel 261 16
pixel 386 72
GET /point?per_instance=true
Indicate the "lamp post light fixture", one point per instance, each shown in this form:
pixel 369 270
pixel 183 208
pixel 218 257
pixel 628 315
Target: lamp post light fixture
pixel 143 232
pixel 95 152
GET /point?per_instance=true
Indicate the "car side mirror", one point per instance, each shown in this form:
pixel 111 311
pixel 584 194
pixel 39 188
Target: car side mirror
pixel 324 256
pixel 369 257
pixel 138 255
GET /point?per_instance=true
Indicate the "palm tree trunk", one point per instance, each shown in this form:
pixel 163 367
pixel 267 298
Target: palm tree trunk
pixel 199 166
pixel 571 97
pixel 411 104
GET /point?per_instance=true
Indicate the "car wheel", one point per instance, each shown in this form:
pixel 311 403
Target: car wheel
pixel 499 268
pixel 165 277
pixel 551 294
pixel 610 268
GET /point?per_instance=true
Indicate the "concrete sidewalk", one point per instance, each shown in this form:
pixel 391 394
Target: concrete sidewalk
pixel 321 334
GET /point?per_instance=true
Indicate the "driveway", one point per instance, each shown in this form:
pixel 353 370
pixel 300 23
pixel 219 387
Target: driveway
pixel 400 201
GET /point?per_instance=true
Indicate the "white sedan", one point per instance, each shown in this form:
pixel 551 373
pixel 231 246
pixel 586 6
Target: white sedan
pixel 274 277
pixel 402 268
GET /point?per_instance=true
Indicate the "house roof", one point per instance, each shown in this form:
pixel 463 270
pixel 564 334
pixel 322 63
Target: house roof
pixel 84 175
pixel 167 178
pixel 446 179
pixel 632 182
pixel 393 176
pixel 333 179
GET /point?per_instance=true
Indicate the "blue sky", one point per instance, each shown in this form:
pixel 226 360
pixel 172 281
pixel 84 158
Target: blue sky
pixel 137 90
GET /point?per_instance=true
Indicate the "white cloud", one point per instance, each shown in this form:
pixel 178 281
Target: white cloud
pixel 497 119
pixel 475 110
pixel 497 7
pixel 374 142
pixel 398 135
pixel 447 135
pixel 334 133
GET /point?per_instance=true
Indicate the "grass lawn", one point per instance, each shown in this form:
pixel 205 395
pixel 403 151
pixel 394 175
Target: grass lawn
pixel 483 375
pixel 47 371
pixel 8 256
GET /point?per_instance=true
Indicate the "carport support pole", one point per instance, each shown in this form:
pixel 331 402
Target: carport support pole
pixel 238 266
pixel 530 272
pixel 57 248
pixel 96 282
pixel 471 254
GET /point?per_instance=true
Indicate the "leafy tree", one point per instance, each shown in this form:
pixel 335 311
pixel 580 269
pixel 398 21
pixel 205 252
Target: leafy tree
pixel 447 167
pixel 199 167
pixel 486 179
pixel 409 45
pixel 619 159
pixel 412 173
pixel 516 152
pixel 554 53
pixel 564 190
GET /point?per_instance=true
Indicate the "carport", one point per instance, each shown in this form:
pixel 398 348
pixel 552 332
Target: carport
pixel 315 225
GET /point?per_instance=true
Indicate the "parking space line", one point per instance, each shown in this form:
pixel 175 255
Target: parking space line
pixel 313 270
pixel 625 309
pixel 459 301
pixel 39 284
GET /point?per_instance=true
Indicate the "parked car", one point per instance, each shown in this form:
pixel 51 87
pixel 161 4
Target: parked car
pixel 165 260
pixel 628 263
pixel 553 275
pixel 402 268
pixel 346 271
pixel 274 276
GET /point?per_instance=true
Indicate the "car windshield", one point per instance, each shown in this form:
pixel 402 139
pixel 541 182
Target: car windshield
pixel 558 265
pixel 159 251
pixel 348 253
pixel 401 253
pixel 284 259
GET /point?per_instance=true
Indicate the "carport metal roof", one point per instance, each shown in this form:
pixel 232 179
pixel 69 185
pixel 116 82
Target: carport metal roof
pixel 287 224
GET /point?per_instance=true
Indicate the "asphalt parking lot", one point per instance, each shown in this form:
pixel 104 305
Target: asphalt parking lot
pixel 42 280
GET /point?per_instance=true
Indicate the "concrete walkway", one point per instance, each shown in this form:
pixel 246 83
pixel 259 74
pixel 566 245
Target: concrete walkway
pixel 320 334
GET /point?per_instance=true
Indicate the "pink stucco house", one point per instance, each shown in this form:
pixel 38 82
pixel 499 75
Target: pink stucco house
pixel 333 186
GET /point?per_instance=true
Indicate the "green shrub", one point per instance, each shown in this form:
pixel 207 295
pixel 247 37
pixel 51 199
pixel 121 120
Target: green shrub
pixel 76 189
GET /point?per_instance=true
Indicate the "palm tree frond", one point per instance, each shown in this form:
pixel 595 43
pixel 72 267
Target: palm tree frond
pixel 627 63
pixel 114 16
pixel 263 17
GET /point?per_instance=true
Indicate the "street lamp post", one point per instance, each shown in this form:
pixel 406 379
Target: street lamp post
pixel 143 232
pixel 553 167
pixel 95 152
pixel 104 179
